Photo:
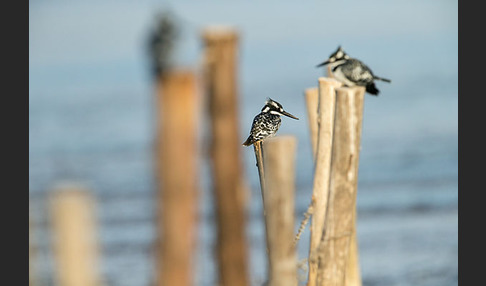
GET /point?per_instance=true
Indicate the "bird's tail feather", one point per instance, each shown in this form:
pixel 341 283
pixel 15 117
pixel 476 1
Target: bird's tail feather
pixel 382 79
pixel 248 141
pixel 371 89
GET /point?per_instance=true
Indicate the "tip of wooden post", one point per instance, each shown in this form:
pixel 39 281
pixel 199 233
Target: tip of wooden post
pixel 281 138
pixel 310 90
pixel 69 186
pixel 178 74
pixel 354 89
pixel 219 32
pixel 329 80
pixel 69 190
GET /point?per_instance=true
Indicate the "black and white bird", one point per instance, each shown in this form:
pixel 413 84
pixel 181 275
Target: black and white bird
pixel 352 72
pixel 267 122
pixel 162 42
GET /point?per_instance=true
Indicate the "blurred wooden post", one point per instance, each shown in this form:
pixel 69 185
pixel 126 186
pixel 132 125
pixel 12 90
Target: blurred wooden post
pixel 329 72
pixel 325 123
pixel 176 151
pixel 75 245
pixel 312 99
pixel 279 165
pixel 32 254
pixel 339 227
pixel 220 67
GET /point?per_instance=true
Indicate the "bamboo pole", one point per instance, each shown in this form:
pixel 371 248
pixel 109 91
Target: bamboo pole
pixel 335 249
pixel 312 99
pixel 75 245
pixel 279 159
pixel 176 151
pixel 325 123
pixel 220 67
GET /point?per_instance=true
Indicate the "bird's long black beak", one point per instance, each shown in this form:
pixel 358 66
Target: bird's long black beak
pixel 289 115
pixel 322 64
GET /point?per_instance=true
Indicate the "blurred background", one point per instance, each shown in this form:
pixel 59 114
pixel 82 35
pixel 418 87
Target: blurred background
pixel 91 121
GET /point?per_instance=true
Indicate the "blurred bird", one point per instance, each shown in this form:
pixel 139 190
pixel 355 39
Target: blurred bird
pixel 161 42
pixel 267 122
pixel 352 72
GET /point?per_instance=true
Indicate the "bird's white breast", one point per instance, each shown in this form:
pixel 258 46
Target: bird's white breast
pixel 338 74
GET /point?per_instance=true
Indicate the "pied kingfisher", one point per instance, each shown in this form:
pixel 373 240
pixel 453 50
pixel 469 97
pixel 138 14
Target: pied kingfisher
pixel 267 122
pixel 351 71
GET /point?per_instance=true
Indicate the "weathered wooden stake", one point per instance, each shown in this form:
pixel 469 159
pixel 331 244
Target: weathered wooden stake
pixel 329 72
pixel 75 243
pixel 334 252
pixel 32 255
pixel 279 160
pixel 258 148
pixel 176 151
pixel 353 273
pixel 311 99
pixel 220 68
pixel 325 123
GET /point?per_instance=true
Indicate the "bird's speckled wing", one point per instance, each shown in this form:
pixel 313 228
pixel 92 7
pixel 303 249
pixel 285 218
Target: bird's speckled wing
pixel 357 72
pixel 264 125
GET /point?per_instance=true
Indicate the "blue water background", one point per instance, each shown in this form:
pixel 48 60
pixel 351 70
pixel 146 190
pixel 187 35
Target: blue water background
pixel 91 121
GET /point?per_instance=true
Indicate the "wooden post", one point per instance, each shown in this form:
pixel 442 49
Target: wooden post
pixel 258 148
pixel 176 151
pixel 220 60
pixel 75 245
pixel 312 100
pixel 32 255
pixel 325 122
pixel 329 72
pixel 353 272
pixel 335 249
pixel 279 160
